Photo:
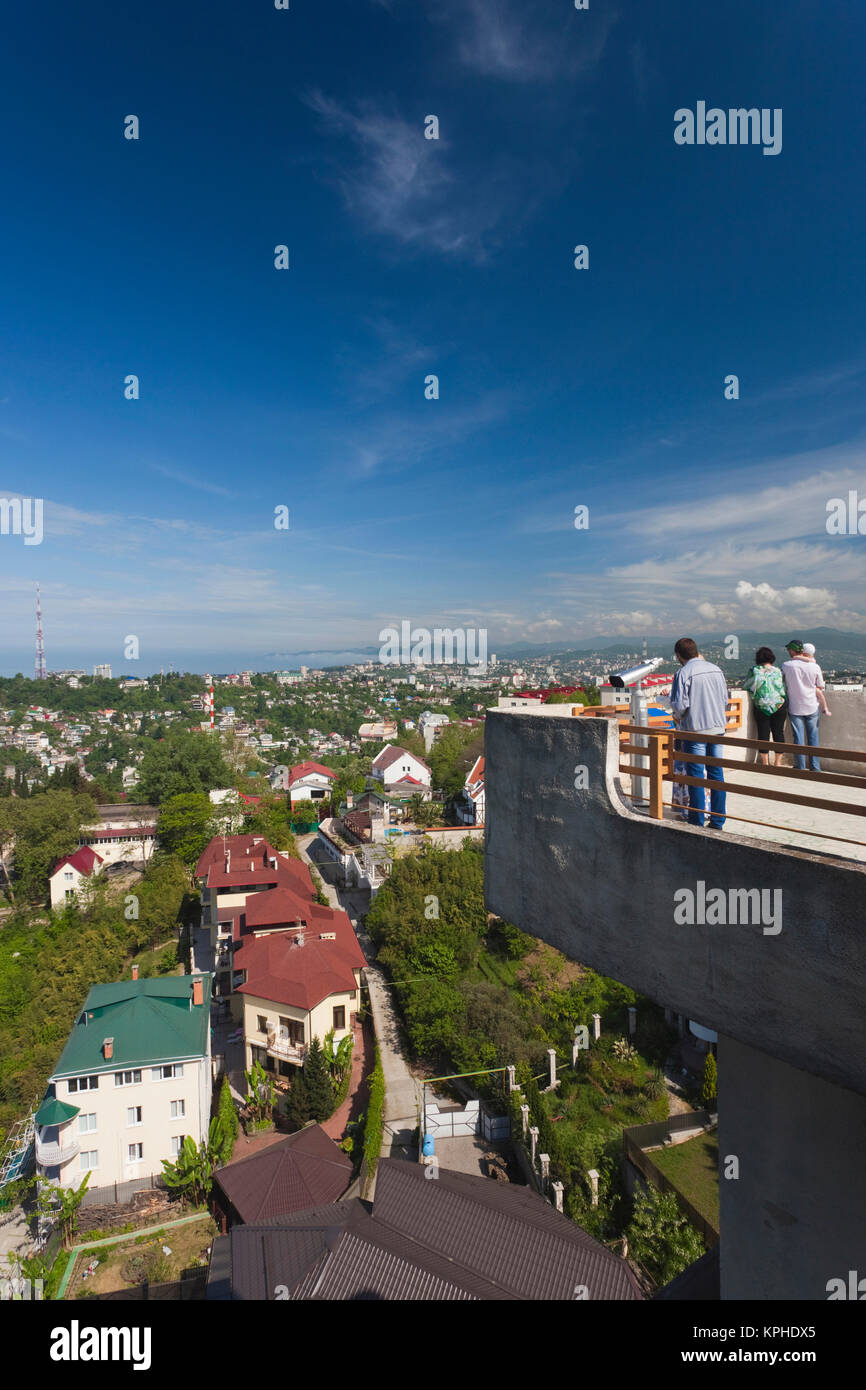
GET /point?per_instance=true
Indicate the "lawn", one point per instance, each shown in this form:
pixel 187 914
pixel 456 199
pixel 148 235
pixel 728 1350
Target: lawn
pixel 132 1261
pixel 693 1168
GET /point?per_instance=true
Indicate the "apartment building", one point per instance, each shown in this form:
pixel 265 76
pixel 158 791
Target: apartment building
pixel 132 1081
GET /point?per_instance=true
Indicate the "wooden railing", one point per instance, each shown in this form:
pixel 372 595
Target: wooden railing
pixel 658 753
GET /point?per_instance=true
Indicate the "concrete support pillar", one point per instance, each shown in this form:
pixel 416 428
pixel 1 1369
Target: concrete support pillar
pixel 533 1135
pixel 544 1160
pixel 792 1211
pixel 593 1178
pixel 524 1116
pixel 632 1020
pixel 512 1084
pixel 558 1190
pixel 596 1026
pixel 575 1052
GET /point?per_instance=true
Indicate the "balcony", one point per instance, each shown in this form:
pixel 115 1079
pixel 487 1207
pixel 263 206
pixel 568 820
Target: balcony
pixel 285 1049
pixel 54 1155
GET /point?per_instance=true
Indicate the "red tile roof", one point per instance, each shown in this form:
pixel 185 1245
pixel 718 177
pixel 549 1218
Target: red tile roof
pixel 84 860
pixel 304 769
pixel 280 970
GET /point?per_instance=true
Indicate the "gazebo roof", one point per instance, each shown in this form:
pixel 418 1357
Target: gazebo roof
pixel 54 1112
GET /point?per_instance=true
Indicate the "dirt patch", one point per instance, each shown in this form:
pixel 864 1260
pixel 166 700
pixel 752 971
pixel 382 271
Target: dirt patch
pixel 556 969
pixel 156 1258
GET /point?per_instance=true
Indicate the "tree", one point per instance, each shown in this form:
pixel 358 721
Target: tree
pixel 319 1088
pixel 710 1081
pixel 660 1238
pixel 44 828
pixel 259 1099
pixel 182 762
pixel 61 1205
pixel 185 825
pixel 192 1174
pixel 228 1115
pixel 338 1058
pixel 298 1102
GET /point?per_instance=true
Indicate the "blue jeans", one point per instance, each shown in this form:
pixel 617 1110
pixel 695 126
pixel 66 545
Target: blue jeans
pixel 804 727
pixel 698 795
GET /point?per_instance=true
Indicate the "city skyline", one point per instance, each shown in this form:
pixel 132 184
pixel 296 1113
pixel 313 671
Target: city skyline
pixel 409 258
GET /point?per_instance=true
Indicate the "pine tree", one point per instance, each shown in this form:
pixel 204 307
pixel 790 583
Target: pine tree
pixel 298 1102
pixel 710 1082
pixel 319 1088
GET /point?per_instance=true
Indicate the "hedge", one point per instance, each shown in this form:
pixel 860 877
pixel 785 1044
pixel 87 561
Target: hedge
pixel 375 1123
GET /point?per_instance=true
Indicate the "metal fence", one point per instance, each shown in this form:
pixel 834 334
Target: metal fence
pixel 640 1137
pixel 118 1193
pixel 191 1285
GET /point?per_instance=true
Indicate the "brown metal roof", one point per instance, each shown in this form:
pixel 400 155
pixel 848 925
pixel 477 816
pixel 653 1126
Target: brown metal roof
pixel 459 1237
pixel 306 1169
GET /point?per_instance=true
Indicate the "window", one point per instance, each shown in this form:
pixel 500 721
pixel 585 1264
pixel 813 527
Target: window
pixel 134 1152
pixel 167 1072
pixel 178 1109
pixel 86 1123
pixel 262 1023
pixel 127 1078
pixel 68 875
pixel 340 1017
pixel 87 1160
pixel 133 1115
pixel 177 1144
pixel 83 1083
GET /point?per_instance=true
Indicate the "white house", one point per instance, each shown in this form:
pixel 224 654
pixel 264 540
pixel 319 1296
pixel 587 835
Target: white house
pixel 72 872
pixel 310 781
pixel 395 764
pixel 470 807
pixel 133 1080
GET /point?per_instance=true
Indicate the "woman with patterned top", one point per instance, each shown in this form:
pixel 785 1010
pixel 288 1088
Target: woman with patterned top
pixel 766 685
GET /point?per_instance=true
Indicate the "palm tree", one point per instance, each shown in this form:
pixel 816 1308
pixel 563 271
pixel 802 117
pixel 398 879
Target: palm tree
pixel 338 1058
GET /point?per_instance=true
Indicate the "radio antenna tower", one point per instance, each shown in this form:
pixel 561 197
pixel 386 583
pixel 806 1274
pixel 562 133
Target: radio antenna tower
pixel 40 641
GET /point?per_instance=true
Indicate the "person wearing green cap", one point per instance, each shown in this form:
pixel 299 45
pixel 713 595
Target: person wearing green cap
pixel 804 683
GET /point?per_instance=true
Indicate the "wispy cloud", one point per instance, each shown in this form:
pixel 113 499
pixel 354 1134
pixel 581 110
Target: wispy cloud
pixel 514 42
pixel 190 480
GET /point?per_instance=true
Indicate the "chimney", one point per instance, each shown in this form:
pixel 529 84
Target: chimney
pixel 350 801
pixel 135 972
pixel 198 991
pixel 228 861
pixel 108 1048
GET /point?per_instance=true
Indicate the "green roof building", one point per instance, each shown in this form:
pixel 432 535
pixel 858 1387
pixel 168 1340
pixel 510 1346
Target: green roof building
pixel 134 1079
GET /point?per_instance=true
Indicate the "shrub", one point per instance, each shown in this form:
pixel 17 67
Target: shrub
pixel 375 1121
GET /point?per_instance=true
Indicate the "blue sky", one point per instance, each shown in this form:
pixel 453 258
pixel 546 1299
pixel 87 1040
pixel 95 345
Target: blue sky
pixel 305 388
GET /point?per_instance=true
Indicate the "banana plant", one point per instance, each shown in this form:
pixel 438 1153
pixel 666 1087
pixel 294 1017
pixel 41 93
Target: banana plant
pixel 338 1058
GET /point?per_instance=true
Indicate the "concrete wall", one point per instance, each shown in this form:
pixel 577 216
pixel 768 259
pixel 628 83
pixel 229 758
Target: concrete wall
pixel 581 870
pixel 845 729
pixel 800 1142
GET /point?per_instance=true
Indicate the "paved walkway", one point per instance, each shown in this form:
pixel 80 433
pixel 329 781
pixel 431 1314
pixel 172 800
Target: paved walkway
pixel 800 827
pixel 402 1091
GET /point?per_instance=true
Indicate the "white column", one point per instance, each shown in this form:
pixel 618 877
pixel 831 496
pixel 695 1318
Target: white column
pixel 512 1085
pixel 551 1062
pixel 596 1026
pixel 524 1115
pixel 593 1178
pixel 557 1194
pixel 533 1135
pixel 544 1160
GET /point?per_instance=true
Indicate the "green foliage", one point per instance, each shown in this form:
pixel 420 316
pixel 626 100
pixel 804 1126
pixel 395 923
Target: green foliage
pixel 298 1101
pixel 339 1057
pixel 44 828
pixel 660 1238
pixel 182 763
pixel 375 1118
pixel 192 1174
pixel 320 1091
pixel 229 1122
pixel 273 820
pixel 185 825
pixel 259 1100
pixel 710 1081
pixel 61 1205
